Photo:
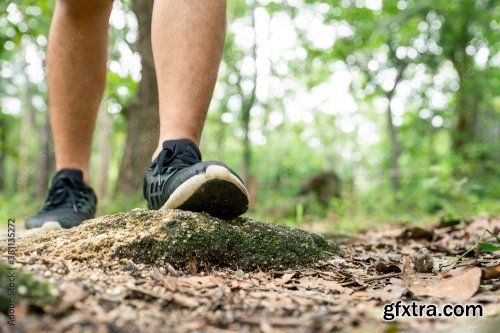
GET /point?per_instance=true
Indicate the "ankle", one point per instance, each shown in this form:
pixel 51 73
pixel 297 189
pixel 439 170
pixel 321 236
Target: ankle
pixel 160 146
pixel 85 171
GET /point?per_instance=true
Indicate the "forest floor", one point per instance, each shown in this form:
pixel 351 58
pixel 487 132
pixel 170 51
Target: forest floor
pixel 345 291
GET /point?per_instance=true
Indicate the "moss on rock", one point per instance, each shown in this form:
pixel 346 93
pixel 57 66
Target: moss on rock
pixel 180 238
pixel 239 244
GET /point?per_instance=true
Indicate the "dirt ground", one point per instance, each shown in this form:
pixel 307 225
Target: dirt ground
pixel 344 291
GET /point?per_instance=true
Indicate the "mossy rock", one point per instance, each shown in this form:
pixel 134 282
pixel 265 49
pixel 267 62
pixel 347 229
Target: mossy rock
pixel 242 243
pixel 182 239
pixel 16 285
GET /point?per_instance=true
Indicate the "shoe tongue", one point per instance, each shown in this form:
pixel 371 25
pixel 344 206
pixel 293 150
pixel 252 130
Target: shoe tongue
pixel 182 145
pixel 68 173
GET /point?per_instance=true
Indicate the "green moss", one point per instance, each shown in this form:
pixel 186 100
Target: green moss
pixel 239 244
pixel 23 286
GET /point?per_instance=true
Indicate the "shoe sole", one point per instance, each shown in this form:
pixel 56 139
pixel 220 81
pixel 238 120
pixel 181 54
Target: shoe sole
pixel 217 192
pixel 46 226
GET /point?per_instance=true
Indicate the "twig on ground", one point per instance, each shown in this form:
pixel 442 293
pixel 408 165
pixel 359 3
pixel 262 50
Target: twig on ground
pixel 372 278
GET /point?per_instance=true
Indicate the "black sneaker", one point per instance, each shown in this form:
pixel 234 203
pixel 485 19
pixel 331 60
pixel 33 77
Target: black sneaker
pixel 178 178
pixel 69 202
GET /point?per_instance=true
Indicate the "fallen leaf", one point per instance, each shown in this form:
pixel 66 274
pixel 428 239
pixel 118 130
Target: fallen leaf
pixel 206 281
pixel 185 301
pixel 387 267
pixel 240 284
pixel 489 273
pixel 462 286
pixel 416 233
pixel 368 294
pixel 285 279
pixel 72 293
pixel 169 282
pixel 392 292
pixel 334 286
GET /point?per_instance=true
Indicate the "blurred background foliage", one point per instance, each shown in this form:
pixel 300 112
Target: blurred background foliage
pixel 347 112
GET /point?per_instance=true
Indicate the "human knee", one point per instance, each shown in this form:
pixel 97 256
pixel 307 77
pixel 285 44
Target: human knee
pixel 77 9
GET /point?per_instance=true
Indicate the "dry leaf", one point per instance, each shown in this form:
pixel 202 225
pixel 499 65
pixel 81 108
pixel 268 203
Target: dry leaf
pixel 489 273
pixel 387 267
pixel 393 292
pixel 366 295
pixel 416 233
pixel 285 279
pixel 240 284
pixel 462 286
pixel 206 281
pixel 72 293
pixel 185 301
pixel 169 282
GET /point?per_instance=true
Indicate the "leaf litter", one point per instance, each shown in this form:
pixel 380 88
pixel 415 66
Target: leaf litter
pixel 343 292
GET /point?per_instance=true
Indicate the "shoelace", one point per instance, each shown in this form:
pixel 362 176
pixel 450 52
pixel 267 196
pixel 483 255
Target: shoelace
pixel 63 192
pixel 174 159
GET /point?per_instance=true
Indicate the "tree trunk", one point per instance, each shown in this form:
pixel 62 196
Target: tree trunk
pixel 248 103
pixel 393 135
pixel 395 151
pixel 45 158
pixel 44 166
pixel 142 117
pixel 23 168
pixel 105 151
pixel 220 136
pixel 466 107
pixel 467 100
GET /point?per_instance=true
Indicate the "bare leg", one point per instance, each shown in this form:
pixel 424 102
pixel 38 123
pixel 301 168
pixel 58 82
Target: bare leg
pixel 188 38
pixel 76 76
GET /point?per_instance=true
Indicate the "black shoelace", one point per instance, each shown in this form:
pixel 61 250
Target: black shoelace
pixel 65 192
pixel 174 159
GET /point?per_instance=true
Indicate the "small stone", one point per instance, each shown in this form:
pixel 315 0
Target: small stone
pixel 59 241
pixel 423 261
pixel 339 261
pixel 129 267
pixel 116 290
pixel 168 221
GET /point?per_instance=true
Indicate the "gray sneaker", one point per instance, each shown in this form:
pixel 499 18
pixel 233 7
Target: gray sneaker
pixel 178 178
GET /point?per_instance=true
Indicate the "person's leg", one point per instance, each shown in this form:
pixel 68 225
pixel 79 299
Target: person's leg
pixel 76 76
pixel 77 54
pixel 188 38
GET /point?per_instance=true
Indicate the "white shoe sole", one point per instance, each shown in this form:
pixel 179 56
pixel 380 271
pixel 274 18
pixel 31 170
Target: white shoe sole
pixel 195 184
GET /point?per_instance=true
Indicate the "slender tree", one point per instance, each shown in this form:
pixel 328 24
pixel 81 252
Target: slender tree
pixel 142 114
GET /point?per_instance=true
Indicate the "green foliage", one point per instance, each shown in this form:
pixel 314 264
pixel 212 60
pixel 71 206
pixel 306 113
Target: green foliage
pixel 480 244
pixel 490 247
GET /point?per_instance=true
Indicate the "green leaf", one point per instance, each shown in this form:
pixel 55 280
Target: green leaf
pixel 490 247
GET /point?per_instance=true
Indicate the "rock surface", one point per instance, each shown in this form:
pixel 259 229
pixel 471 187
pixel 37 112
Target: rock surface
pixel 187 241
